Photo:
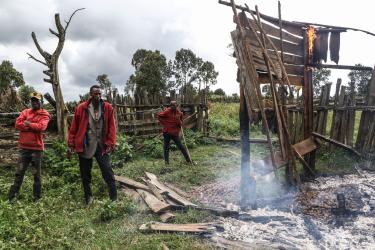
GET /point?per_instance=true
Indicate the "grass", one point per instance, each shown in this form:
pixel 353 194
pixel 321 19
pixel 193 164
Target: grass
pixel 61 220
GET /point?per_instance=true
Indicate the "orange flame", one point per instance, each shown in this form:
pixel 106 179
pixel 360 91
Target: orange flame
pixel 311 36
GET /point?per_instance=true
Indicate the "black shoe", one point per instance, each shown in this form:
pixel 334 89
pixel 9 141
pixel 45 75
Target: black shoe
pixel 88 201
pixel 12 193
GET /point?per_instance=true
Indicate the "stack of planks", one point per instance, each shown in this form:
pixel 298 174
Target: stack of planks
pixel 155 195
pixel 164 199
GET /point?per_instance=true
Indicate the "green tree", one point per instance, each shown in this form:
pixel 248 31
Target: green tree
pixel 320 77
pixel 9 76
pixel 24 92
pixel 186 67
pixel 208 75
pixel 105 83
pixel 219 91
pixel 151 74
pixel 359 81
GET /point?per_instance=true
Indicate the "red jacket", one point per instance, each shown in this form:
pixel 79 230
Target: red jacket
pixel 80 122
pixel 31 136
pixel 171 121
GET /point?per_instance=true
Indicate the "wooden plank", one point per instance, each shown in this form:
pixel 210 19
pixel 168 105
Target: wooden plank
pixel 257 52
pixel 177 190
pixel 155 205
pixel 264 166
pixel 135 197
pixel 291 69
pixel 291 48
pixel 182 228
pixel 131 183
pixel 337 143
pixel 167 217
pixel 170 193
pixel 338 85
pixel 275 32
pixel 155 191
pixel 294 80
pixel 351 121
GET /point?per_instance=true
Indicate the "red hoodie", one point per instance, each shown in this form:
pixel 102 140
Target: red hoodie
pixel 171 121
pixel 31 136
pixel 80 122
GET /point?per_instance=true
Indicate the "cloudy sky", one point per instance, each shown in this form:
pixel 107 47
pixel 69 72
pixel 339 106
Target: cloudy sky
pixel 103 37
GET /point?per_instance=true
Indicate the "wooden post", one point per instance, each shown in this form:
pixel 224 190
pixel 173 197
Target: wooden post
pixel 308 113
pixel 247 186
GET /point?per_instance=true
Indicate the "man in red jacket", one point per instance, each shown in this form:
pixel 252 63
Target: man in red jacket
pixel 93 134
pixel 31 124
pixel 171 120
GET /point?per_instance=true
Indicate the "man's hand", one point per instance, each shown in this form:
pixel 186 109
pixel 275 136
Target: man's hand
pixel 109 149
pixel 70 152
pixel 26 123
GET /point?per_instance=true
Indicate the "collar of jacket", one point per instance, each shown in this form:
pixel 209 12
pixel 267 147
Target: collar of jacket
pixel 87 103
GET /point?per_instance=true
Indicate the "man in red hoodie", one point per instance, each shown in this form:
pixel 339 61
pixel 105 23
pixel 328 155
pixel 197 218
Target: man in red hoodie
pixel 31 124
pixel 93 134
pixel 171 120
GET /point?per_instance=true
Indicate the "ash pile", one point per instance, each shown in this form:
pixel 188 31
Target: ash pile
pixel 335 212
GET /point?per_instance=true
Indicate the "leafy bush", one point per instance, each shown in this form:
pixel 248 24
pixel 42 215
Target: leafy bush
pixel 123 152
pixel 153 147
pixel 109 210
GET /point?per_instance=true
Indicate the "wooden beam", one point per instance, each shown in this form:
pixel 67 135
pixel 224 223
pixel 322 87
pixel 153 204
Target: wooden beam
pixel 182 228
pixel 288 25
pixel 337 143
pixel 348 67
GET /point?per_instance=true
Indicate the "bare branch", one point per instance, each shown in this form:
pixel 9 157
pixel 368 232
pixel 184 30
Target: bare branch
pixel 47 80
pixel 70 19
pixel 54 32
pixel 41 51
pixel 39 61
pixel 59 27
pixel 48 73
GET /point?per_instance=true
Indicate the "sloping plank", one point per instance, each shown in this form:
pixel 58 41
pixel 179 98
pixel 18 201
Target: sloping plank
pixel 156 205
pixel 131 183
pixel 264 166
pixel 172 194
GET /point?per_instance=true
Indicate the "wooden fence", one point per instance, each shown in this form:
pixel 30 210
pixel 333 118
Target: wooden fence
pixel 342 118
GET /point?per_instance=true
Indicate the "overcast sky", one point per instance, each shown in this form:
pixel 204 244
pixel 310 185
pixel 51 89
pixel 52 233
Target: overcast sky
pixel 103 37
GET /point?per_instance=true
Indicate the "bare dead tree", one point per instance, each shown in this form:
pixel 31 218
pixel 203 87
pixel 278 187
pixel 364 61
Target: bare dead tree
pixel 51 61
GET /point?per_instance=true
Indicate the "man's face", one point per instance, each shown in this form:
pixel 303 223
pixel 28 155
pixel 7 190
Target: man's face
pixel 96 94
pixel 173 106
pixel 35 104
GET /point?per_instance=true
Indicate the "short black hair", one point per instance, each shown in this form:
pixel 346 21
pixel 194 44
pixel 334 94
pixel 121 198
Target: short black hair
pixel 94 87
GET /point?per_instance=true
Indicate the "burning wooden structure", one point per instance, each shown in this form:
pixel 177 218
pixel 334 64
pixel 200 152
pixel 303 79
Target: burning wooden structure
pixel 282 54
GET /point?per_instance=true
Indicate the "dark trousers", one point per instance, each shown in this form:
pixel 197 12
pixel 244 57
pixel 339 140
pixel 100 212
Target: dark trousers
pixel 26 157
pixel 167 146
pixel 103 160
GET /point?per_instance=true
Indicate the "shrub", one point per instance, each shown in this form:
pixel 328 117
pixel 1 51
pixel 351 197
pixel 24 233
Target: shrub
pixel 123 152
